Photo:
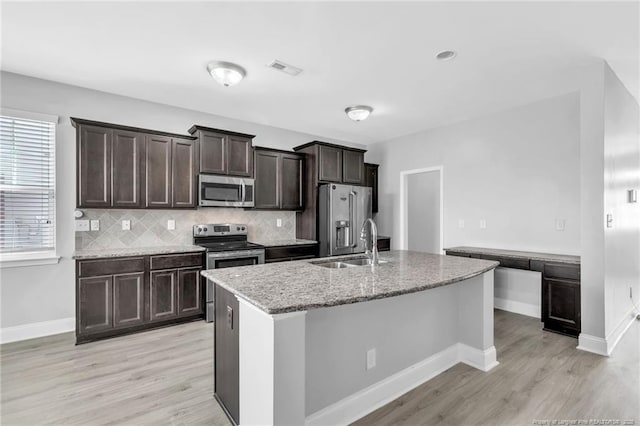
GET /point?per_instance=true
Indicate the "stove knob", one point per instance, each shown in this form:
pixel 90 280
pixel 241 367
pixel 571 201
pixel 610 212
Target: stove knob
pixel 205 229
pixel 199 229
pixel 237 228
pixel 243 228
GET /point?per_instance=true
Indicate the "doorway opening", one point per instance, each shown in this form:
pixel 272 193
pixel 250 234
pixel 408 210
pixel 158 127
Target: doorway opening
pixel 422 210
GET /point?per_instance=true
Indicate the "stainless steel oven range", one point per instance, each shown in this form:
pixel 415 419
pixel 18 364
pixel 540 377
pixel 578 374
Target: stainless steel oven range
pixel 227 246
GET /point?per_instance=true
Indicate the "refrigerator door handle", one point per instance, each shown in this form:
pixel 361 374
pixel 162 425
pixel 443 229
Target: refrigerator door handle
pixel 353 209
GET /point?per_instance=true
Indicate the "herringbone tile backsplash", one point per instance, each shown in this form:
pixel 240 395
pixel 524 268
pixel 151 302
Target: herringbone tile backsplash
pixel 149 227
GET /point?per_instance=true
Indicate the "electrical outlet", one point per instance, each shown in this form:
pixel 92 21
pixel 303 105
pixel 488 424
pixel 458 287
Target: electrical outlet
pixel 483 224
pixel 82 225
pixel 279 223
pixel 609 220
pixel 371 358
pixel 461 223
pixel 171 225
pixel 126 225
pixel 95 225
pixel 560 224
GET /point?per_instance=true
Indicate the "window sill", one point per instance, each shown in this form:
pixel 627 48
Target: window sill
pixel 15 260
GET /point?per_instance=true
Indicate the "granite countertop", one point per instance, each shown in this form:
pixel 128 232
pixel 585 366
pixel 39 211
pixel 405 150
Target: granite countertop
pixel 134 251
pixel 300 285
pixel 549 257
pixel 278 243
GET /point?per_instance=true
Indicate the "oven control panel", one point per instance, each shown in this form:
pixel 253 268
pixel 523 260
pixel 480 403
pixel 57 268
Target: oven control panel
pixel 214 229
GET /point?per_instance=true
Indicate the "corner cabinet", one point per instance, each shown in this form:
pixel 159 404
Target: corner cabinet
pixel 116 296
pixel 278 180
pixel 126 167
pixel 224 152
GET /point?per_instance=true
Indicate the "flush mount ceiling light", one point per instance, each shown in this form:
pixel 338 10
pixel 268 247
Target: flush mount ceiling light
pixel 446 55
pixel 358 112
pixel 226 73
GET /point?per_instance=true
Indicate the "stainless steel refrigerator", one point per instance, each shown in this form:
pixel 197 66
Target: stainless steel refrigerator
pixel 342 209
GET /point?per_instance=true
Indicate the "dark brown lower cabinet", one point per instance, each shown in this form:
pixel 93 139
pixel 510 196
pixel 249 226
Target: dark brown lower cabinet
pixel 118 296
pixel 226 380
pixel 561 306
pixel 95 311
pixel 128 299
pixel 162 292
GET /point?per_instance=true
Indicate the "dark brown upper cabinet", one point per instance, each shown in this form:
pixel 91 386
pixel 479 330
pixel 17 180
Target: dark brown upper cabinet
pixel 223 152
pixel 371 180
pixel 278 179
pixel 335 163
pixel 94 150
pixel 126 167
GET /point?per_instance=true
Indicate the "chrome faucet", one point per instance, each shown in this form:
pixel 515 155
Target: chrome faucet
pixel 373 254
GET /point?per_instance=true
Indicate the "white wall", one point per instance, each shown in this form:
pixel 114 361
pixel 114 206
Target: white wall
pixel 423 212
pixel 621 173
pixel 47 293
pixel 519 170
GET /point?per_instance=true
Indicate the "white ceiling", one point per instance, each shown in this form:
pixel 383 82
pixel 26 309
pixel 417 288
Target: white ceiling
pixel 380 54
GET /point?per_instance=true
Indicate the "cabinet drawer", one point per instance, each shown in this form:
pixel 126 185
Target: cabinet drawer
pixel 176 261
pixel 274 254
pixel 508 262
pixel 93 268
pixel 561 270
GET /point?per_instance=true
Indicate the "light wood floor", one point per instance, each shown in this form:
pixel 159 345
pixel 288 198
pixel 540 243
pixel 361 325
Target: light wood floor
pixel 165 377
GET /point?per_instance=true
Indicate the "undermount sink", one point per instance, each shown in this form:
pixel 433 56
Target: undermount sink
pixel 362 262
pixel 334 265
pixel 347 263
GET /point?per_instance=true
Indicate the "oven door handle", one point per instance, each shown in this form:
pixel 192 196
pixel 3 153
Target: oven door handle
pixel 238 254
pixel 244 192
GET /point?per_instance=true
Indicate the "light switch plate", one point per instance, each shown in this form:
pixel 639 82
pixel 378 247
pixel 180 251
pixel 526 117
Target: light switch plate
pixel 609 220
pixel 461 223
pixel 560 224
pixel 483 224
pixel 279 223
pixel 82 225
pixel 171 225
pixel 126 225
pixel 95 225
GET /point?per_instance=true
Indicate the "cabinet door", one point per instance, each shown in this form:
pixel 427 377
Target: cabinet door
pixel 128 158
pixel 95 304
pixel 371 180
pixel 128 299
pixel 329 164
pixel 291 197
pixel 226 382
pixel 183 176
pixel 158 176
pixel 267 179
pixel 162 297
pixel 561 305
pixel 94 166
pixel 213 157
pixel 189 291
pixel 239 156
pixel 352 167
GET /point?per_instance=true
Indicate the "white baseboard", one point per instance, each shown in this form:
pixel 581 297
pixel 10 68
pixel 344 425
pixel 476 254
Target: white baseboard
pixel 361 403
pixel 593 344
pixel 37 329
pixel 517 307
pixel 616 334
pixel 476 358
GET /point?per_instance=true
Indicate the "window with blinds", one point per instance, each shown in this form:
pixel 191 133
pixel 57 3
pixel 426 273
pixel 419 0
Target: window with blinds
pixel 27 185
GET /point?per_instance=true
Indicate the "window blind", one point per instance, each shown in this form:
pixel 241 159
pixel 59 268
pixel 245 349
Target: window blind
pixel 27 185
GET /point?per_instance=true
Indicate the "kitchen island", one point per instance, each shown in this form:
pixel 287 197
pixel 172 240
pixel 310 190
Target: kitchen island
pixel 301 343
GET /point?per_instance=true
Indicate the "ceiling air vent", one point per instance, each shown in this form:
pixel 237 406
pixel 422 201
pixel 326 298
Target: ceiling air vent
pixel 285 68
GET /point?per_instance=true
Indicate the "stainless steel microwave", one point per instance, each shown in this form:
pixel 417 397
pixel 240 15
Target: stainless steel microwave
pixel 223 191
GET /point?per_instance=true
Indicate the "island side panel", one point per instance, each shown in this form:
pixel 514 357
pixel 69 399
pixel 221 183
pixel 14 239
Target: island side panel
pixel 404 330
pixel 272 367
pixel 475 322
